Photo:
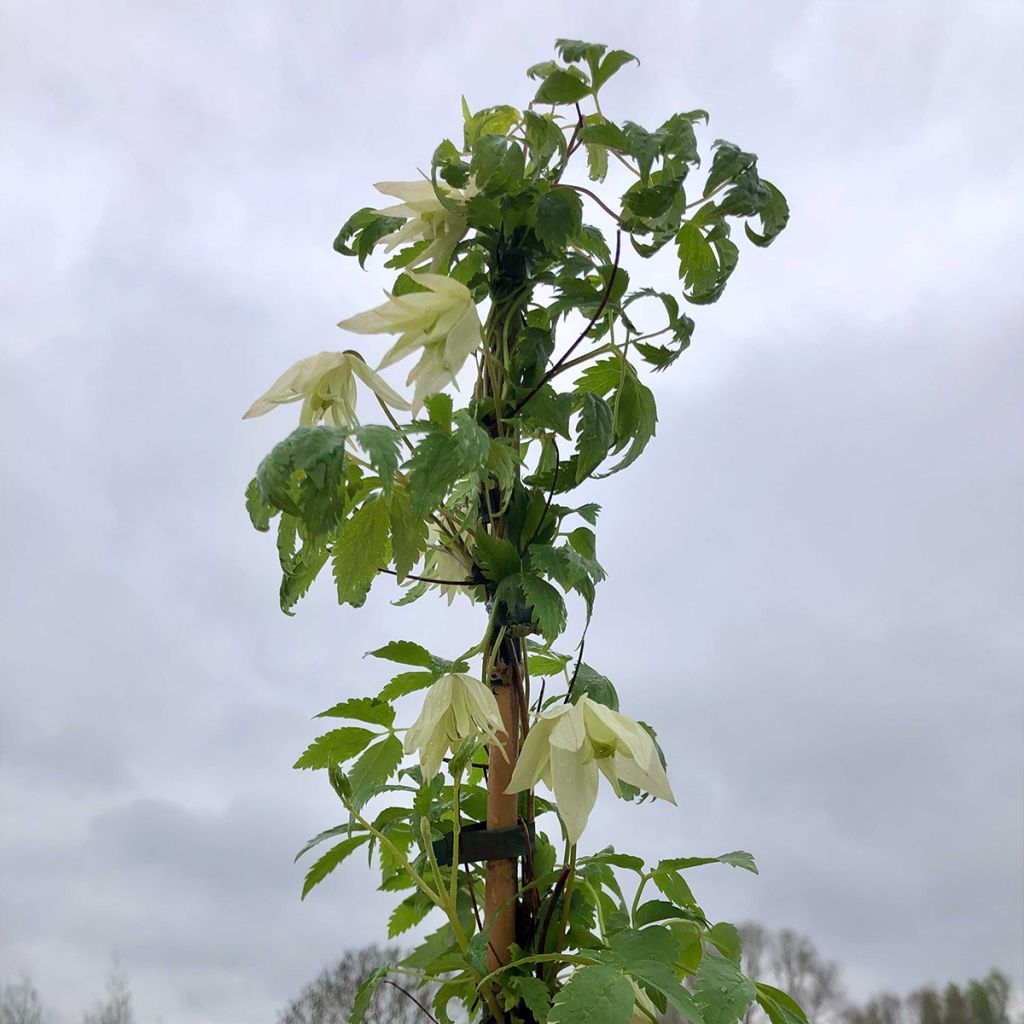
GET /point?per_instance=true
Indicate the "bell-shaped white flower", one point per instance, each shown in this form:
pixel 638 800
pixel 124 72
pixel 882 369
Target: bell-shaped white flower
pixel 570 744
pixel 426 218
pixel 441 321
pixel 441 563
pixel 456 707
pixel 326 386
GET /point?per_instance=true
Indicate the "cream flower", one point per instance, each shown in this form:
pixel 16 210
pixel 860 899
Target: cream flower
pixel 442 321
pixel 456 707
pixel 326 386
pixel 426 218
pixel 568 745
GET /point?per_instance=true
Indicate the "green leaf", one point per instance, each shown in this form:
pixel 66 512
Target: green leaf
pixel 546 603
pixel 594 995
pixel 597 687
pixel 572 51
pixel 655 910
pixel 722 991
pixel 604 133
pixel 365 992
pixel 381 445
pixel 374 768
pixel 727 940
pixel 774 215
pixel 321 837
pixel 496 557
pixel 646 955
pixel 617 860
pixel 441 459
pixel 335 747
pixel 360 551
pixel 260 513
pixel 698 265
pixel 736 859
pixel 562 87
pixel 615 60
pixel 329 861
pixel 365 228
pixel 559 217
pixel 409 913
pixel 533 992
pixel 673 885
pixel 780 1008
pixel 409 534
pixel 405 652
pixel 362 709
pixel 497 163
pixel 595 434
pixel 550 409
pixel 728 163
pixel 406 682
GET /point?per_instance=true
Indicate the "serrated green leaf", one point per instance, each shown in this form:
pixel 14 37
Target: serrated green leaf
pixel 260 513
pixel 373 769
pixel 404 652
pixel 615 60
pixel 360 551
pixel 496 557
pixel 674 886
pixel 698 265
pixel 726 939
pixel 362 709
pixel 329 861
pixel 595 434
pixel 561 87
pixel 774 216
pixel 736 859
pixel 321 837
pixel 409 534
pixel 651 911
pixel 365 992
pixel 409 913
pixel 335 747
pixel 559 217
pixel 533 992
pixel 780 1008
pixel 729 161
pixel 439 408
pixel 546 603
pixel 590 683
pixel 594 995
pixel 441 459
pixel 381 445
pixel 722 991
pixel 406 682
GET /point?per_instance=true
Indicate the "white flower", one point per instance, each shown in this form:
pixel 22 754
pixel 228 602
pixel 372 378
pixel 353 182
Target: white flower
pixel 326 386
pixel 427 218
pixel 456 707
pixel 442 321
pixel 569 744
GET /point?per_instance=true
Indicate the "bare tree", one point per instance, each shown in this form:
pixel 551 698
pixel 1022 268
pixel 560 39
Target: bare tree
pixel 791 962
pixel 20 1004
pixel 116 1008
pixel 328 999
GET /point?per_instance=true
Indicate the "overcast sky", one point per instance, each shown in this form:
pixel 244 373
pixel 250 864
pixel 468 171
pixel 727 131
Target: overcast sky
pixel 815 572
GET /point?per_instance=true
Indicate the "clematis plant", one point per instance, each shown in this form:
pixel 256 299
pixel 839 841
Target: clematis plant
pixel 514 261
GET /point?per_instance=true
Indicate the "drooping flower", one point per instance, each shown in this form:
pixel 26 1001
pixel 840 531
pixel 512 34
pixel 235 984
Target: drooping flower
pixel 456 707
pixel 326 386
pixel 442 321
pixel 427 218
pixel 568 745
